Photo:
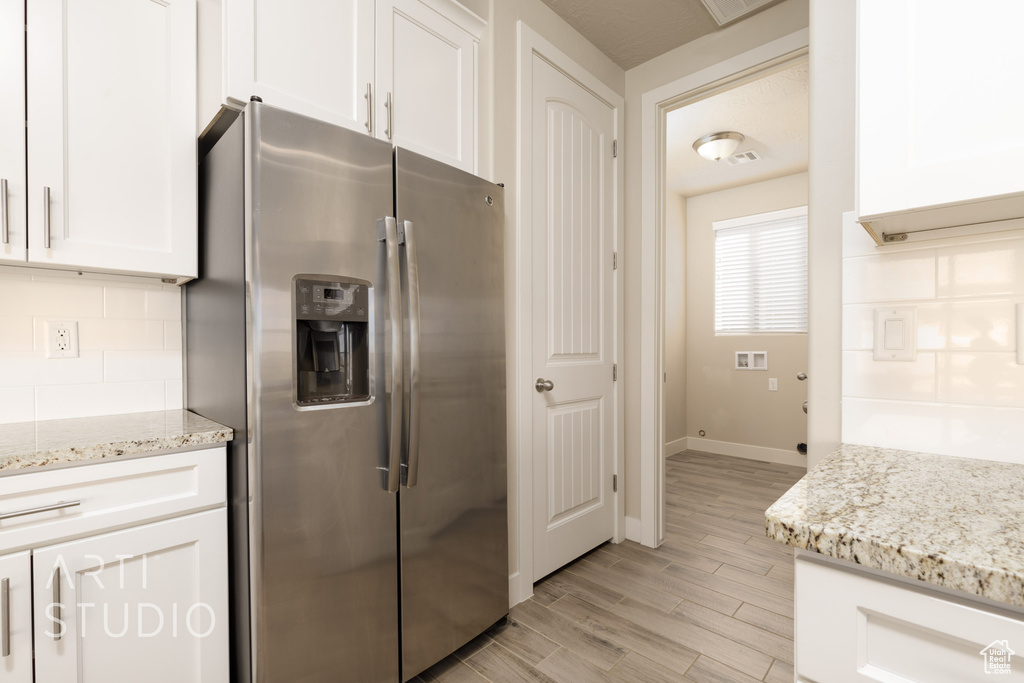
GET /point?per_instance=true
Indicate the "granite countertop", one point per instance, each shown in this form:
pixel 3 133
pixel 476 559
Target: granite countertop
pixel 25 445
pixel 953 522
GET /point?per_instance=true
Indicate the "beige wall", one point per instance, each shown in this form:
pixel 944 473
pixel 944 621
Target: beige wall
pixel 674 397
pixel 831 183
pixel 732 405
pixel 771 24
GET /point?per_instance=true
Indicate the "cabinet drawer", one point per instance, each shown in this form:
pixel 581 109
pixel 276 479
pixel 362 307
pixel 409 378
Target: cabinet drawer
pixel 852 627
pixel 110 495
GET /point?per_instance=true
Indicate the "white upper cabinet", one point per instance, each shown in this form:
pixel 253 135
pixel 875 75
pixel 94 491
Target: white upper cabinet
pixel 939 101
pixel 111 135
pixel 314 57
pixel 400 70
pixel 12 131
pixel 426 72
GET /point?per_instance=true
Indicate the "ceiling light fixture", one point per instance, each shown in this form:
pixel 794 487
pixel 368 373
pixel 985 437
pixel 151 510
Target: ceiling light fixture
pixel 717 146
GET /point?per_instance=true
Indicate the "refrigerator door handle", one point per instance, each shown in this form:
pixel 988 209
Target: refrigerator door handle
pixel 410 475
pixel 387 230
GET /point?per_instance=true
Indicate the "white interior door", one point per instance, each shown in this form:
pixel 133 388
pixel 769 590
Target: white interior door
pixel 574 317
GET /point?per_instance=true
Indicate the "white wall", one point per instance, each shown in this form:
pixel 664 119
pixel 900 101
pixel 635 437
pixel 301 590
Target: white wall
pixel 831 183
pixel 129 339
pixel 734 407
pixel 964 393
pixel 764 27
pixel 674 397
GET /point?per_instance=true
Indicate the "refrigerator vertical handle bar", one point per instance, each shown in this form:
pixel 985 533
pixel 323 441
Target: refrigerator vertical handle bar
pixel 388 233
pixel 411 474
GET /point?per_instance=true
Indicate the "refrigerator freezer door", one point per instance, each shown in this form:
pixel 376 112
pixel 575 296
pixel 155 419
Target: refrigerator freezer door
pixel 454 526
pixel 323 525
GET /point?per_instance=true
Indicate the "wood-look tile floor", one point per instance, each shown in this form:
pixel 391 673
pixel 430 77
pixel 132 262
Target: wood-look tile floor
pixel 713 604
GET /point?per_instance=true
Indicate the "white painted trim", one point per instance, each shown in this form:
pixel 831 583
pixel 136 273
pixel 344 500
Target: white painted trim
pixel 530 43
pixel 460 15
pixel 515 588
pixel 655 105
pixel 748 451
pixel 677 446
pixel 633 529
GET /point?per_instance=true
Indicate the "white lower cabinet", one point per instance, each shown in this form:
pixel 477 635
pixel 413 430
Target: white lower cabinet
pixel 149 602
pixel 16 618
pixel 116 572
pixel 854 627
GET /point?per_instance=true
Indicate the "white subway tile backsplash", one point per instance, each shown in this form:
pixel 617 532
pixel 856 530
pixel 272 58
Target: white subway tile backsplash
pixel 982 325
pixel 992 379
pixel 134 366
pixel 981 270
pixel 173 395
pixel 16 333
pixel 87 400
pixel 163 305
pixel 123 302
pixel 865 377
pixel 17 404
pixel 121 335
pixel 889 277
pixel 859 326
pixel 172 335
pixel 30 368
pixel 55 299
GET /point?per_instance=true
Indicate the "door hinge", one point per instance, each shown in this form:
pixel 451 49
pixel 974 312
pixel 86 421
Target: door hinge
pixel 615 260
pixel 615 483
pixel 615 372
pixel 615 148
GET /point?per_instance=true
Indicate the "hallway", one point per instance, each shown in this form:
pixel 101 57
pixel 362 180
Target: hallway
pixel 713 604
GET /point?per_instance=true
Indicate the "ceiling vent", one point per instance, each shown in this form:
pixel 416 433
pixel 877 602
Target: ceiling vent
pixel 743 158
pixel 725 11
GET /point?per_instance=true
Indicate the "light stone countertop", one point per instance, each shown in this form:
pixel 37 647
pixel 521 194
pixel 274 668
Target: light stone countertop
pixel 25 445
pixel 953 522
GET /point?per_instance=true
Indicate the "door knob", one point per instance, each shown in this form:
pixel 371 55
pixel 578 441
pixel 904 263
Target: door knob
pixel 805 406
pixel 544 384
pixel 801 376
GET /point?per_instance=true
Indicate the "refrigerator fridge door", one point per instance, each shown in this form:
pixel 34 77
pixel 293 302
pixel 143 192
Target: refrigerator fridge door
pixel 323 525
pixel 454 526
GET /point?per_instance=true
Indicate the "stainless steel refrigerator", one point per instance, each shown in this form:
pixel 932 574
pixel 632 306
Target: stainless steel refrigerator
pixel 348 324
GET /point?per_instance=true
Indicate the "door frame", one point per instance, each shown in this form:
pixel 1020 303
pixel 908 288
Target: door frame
pixel 530 43
pixel 655 106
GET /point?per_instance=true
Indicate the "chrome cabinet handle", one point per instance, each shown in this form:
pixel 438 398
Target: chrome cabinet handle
pixel 407 237
pixel 387 105
pixel 5 614
pixel 389 228
pixel 5 220
pixel 801 376
pixel 543 385
pixel 369 108
pixel 46 217
pixel 57 612
pixel 44 508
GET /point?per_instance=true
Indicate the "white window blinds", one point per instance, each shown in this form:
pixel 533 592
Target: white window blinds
pixel 761 273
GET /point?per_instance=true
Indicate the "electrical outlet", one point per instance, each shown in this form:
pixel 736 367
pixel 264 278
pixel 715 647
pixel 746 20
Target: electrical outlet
pixel 61 339
pixel 773 384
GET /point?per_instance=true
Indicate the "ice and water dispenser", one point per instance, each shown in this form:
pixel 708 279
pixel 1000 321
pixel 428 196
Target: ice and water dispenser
pixel 332 341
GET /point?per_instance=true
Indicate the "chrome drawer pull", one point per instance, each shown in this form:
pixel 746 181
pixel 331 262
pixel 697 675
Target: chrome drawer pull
pixel 45 508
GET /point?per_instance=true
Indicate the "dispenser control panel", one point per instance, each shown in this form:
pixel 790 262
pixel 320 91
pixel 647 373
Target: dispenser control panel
pixel 319 300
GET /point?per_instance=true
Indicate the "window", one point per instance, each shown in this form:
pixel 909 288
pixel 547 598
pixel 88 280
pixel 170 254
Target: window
pixel 761 273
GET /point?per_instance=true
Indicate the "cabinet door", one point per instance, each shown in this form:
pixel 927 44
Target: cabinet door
pixel 12 130
pixel 427 65
pixel 16 618
pixel 146 603
pixel 112 140
pixel 313 57
pixel 938 104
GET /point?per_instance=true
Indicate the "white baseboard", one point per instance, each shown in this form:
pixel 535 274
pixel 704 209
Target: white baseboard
pixel 517 592
pixel 742 450
pixel 633 529
pixel 677 446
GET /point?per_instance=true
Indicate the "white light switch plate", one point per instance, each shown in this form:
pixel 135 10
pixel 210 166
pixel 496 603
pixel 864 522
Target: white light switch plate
pixel 895 334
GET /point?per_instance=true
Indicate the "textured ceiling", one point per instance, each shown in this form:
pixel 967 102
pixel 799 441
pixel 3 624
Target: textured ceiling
pixel 631 32
pixel 771 112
